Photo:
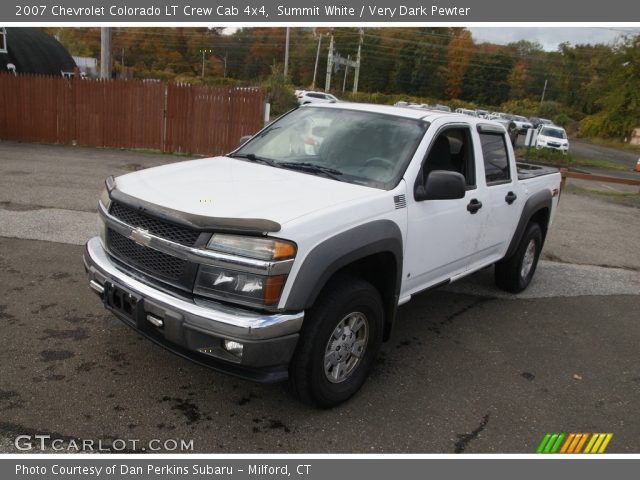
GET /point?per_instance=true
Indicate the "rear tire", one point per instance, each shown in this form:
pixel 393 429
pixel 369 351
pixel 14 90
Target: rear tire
pixel 341 337
pixel 515 274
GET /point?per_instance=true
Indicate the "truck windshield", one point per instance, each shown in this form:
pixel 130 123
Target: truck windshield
pixel 358 147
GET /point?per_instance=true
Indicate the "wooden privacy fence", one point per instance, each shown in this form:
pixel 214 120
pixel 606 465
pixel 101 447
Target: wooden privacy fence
pixel 127 113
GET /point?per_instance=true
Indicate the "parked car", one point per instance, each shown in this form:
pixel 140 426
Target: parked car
pixel 440 108
pixel 522 124
pixel 553 137
pixel 316 97
pixel 536 121
pixel 502 116
pixel 480 113
pixel 467 111
pixel 276 262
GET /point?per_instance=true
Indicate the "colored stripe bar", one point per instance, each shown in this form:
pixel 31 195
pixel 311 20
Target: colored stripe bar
pixel 574 444
pixel 556 446
pixel 567 443
pixel 543 443
pixel 599 440
pixel 606 441
pixel 551 443
pixel 594 437
pixel 581 442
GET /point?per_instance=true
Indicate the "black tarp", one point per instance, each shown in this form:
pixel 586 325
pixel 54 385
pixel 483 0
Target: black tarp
pixel 33 51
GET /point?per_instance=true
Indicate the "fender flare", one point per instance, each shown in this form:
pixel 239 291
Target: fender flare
pixel 335 253
pixel 534 204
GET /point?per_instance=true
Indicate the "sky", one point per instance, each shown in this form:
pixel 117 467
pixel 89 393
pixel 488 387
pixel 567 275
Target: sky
pixel 550 37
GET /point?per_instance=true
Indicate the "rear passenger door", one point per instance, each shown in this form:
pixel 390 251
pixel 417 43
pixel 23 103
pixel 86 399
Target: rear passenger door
pixel 503 197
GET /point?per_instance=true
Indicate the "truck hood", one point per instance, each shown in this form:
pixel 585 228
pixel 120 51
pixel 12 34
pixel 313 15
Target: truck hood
pixel 224 187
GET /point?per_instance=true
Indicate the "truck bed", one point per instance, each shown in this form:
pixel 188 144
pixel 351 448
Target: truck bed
pixel 530 170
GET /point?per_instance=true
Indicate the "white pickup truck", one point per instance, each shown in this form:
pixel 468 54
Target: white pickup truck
pixel 288 258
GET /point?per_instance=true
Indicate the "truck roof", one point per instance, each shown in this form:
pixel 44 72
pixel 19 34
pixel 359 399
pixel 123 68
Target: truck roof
pixel 406 112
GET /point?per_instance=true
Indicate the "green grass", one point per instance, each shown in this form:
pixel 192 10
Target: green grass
pixel 555 158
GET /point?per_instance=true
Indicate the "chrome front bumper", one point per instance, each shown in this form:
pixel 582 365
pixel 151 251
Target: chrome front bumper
pixel 189 326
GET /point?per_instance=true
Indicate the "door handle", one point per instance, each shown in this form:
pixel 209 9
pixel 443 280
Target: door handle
pixel 510 198
pixel 474 205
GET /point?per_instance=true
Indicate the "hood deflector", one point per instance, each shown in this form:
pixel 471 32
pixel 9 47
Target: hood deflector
pixel 250 226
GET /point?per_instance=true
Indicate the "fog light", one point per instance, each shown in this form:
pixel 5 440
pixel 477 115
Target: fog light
pixel 233 347
pixel 155 321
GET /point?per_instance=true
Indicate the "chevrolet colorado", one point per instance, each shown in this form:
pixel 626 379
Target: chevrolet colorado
pixel 288 257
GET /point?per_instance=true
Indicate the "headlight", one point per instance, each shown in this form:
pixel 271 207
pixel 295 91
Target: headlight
pixel 105 199
pixel 542 141
pixel 239 287
pixel 253 247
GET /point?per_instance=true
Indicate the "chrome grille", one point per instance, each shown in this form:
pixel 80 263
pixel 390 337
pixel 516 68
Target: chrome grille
pixel 133 218
pixel 147 260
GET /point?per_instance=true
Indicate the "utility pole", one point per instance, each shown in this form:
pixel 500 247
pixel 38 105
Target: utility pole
pixel 544 89
pixel 358 58
pixel 315 68
pixel 105 52
pixel 203 51
pixel 327 83
pixel 346 69
pixel 286 54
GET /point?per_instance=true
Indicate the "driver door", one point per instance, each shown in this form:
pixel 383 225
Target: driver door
pixel 443 234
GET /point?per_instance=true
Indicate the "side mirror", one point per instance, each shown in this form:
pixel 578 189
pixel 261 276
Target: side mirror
pixel 441 185
pixel 245 139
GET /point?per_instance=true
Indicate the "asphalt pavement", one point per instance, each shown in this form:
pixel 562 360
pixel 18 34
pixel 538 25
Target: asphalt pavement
pixel 468 368
pixel 593 151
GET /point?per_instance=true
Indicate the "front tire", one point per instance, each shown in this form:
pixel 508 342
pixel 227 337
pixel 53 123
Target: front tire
pixel 515 273
pixel 340 339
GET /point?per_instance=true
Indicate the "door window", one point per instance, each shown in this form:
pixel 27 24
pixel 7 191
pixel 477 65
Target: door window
pixel 496 158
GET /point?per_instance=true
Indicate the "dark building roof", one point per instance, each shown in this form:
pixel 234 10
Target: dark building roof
pixel 33 51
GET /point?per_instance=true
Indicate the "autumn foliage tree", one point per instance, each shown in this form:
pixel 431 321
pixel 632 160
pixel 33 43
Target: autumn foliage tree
pixel 596 84
pixel 459 56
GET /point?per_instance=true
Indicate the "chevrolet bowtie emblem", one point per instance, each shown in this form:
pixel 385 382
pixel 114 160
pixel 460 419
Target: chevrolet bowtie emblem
pixel 140 236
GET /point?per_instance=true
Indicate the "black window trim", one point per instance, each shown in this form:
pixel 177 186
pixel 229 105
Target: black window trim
pixel 502 134
pixel 449 126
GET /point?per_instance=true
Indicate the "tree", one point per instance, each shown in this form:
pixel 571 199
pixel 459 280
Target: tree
pixel 459 56
pixel 620 99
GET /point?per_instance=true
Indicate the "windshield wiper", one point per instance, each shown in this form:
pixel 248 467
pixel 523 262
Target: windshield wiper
pixel 314 168
pixel 252 157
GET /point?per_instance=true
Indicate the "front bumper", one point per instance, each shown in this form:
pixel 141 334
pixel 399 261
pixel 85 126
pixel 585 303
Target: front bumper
pixel 268 339
pixel 561 148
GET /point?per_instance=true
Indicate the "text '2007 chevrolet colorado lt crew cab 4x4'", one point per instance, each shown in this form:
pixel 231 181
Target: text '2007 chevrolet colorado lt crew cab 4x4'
pixel 288 258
